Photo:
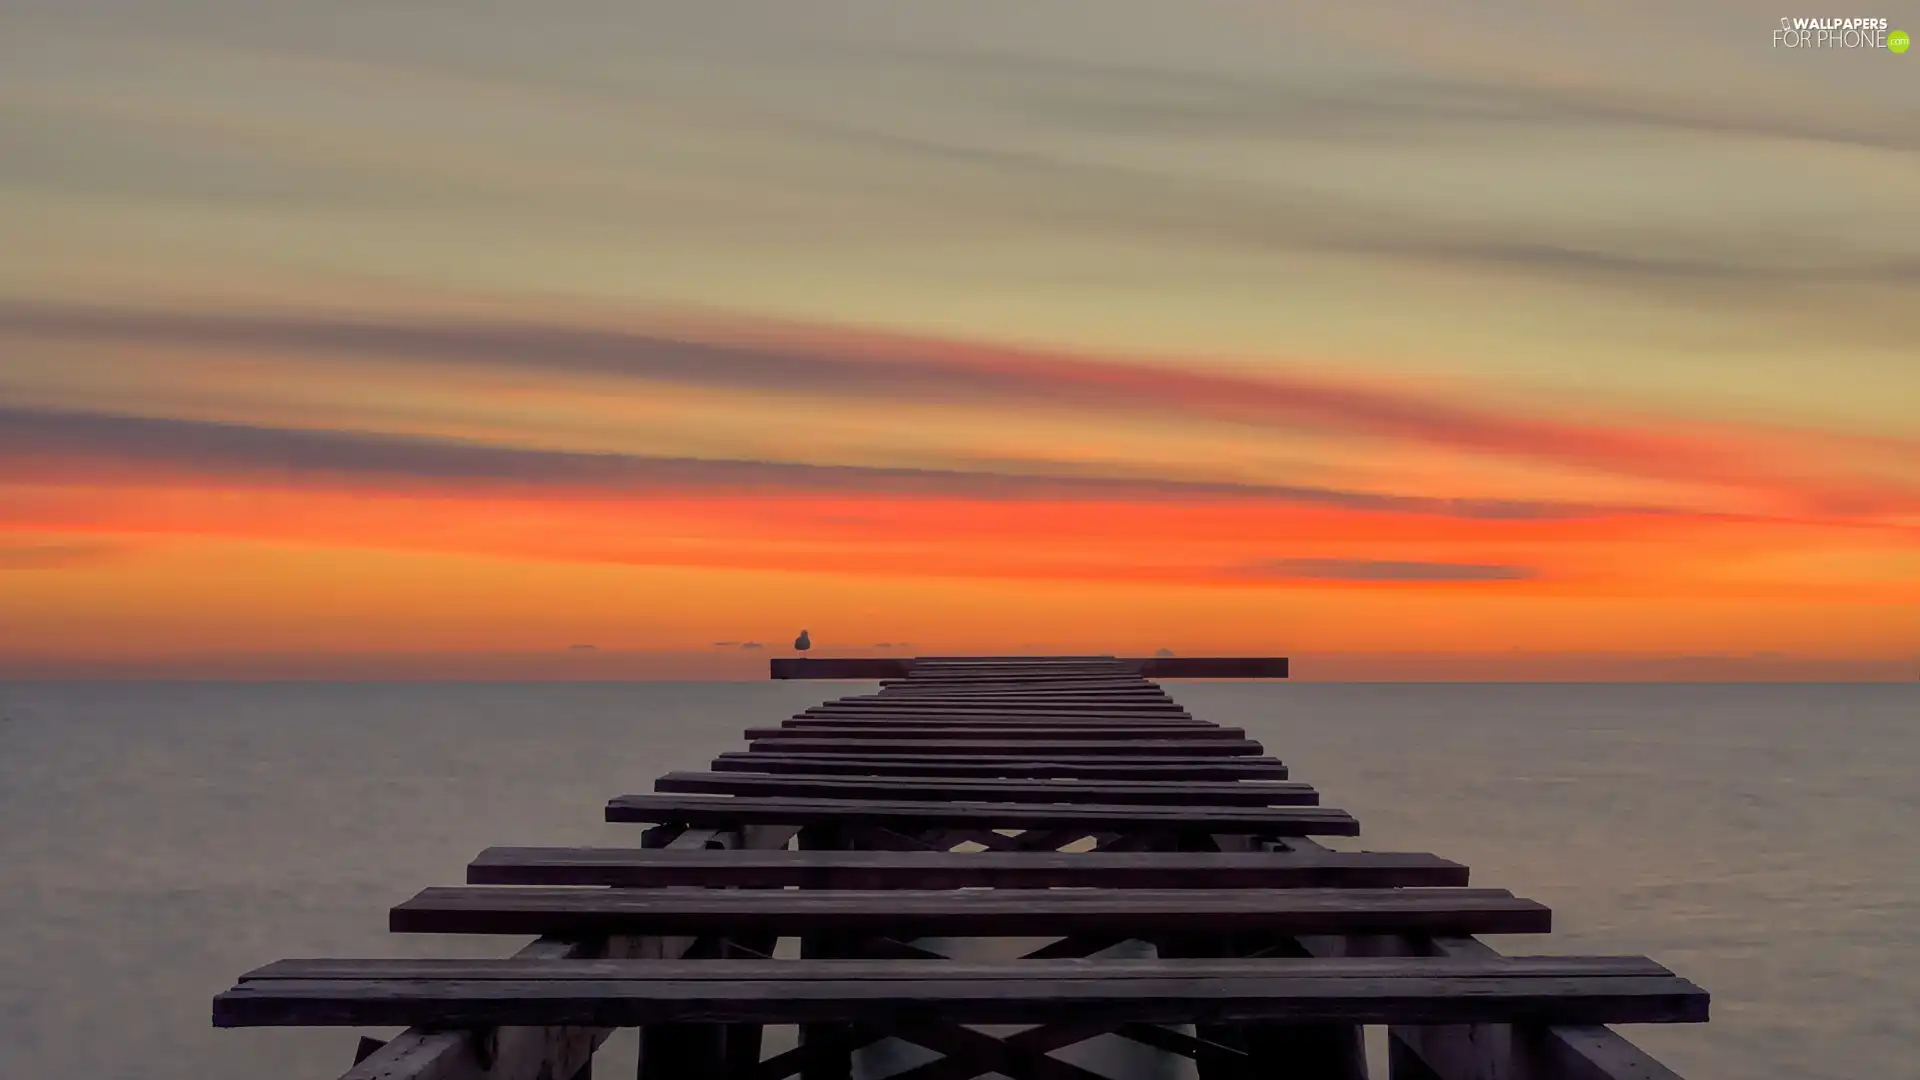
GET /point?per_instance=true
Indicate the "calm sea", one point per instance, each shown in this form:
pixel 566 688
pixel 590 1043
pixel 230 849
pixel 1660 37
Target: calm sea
pixel 158 839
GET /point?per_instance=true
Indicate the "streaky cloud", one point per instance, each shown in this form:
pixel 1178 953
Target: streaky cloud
pixel 1368 107
pixel 61 446
pixel 828 362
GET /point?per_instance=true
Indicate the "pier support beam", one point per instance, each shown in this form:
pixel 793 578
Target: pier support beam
pixel 1316 1051
pixel 830 1045
pixel 539 1053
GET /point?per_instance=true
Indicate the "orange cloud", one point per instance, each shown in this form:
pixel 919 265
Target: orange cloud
pixel 862 368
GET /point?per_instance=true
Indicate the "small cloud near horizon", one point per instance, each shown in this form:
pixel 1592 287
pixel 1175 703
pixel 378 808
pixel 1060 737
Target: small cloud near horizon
pixel 1388 570
pixel 57 556
pixel 725 644
pixel 751 645
pixel 583 648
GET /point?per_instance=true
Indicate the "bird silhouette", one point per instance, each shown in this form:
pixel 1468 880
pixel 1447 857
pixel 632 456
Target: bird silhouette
pixel 803 642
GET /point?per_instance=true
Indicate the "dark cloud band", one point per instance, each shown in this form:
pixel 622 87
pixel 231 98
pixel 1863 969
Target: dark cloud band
pixel 57 446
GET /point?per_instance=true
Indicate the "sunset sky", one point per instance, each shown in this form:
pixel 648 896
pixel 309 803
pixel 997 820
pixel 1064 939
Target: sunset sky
pixel 439 338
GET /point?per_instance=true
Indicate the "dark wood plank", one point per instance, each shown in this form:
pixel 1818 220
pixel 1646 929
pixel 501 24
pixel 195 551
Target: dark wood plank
pixel 1114 792
pixel 1004 718
pixel 939 661
pixel 837 667
pixel 1015 676
pixel 1138 692
pixel 1095 683
pixel 652 868
pixel 1148 697
pixel 1060 766
pixel 1573 1052
pixel 1154 698
pixel 1015 707
pixel 1153 667
pixel 1016 723
pixel 909 729
pixel 1076 682
pixel 1212 667
pixel 912 913
pixel 1555 990
pixel 1002 709
pixel 1011 718
pixel 927 667
pixel 1033 747
pixel 969 661
pixel 958 973
pixel 719 811
pixel 1076 707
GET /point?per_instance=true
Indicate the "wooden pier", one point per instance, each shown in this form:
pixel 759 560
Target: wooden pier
pixel 1060 798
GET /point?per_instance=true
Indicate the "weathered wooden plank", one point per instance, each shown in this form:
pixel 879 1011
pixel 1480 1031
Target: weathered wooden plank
pixel 1034 747
pixel 698 810
pixel 1049 708
pixel 1145 973
pixel 929 669
pixel 1110 688
pixel 652 868
pixel 1163 667
pixel 908 729
pixel 1006 765
pixel 852 667
pixel 1507 1052
pixel 1011 710
pixel 905 992
pixel 927 675
pixel 1127 703
pixel 1018 723
pixel 932 666
pixel 910 913
pixel 1150 696
pixel 1015 679
pixel 1490 1051
pixel 937 662
pixel 1010 719
pixel 1212 667
pixel 1008 710
pixel 1006 719
pixel 1100 683
pixel 1012 707
pixel 989 683
pixel 923 672
pixel 1113 792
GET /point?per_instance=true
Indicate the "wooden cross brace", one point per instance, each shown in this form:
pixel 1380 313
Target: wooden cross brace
pixel 882 838
pixel 968 1053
